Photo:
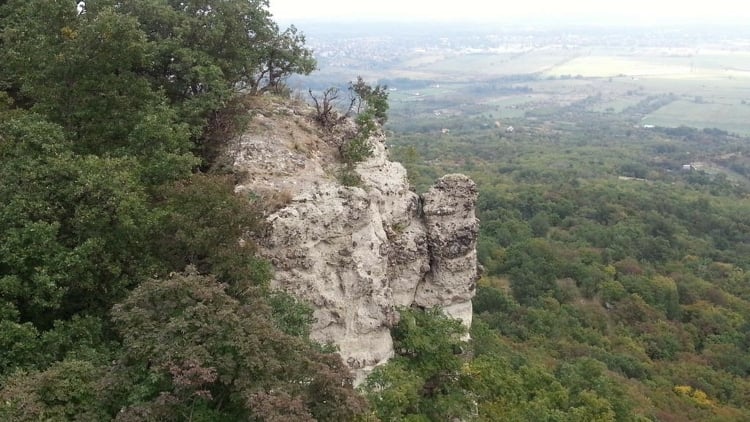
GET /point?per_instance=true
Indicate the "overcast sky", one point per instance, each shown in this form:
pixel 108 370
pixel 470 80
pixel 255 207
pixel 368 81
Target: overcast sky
pixel 593 11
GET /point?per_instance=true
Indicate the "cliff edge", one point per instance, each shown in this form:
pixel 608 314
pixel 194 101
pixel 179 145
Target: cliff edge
pixel 356 254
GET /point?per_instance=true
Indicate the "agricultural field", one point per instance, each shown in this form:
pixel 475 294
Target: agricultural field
pixel 704 82
pixel 732 117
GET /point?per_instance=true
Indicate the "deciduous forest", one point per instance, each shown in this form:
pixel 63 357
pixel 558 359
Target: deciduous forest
pixel 125 291
pixel 617 283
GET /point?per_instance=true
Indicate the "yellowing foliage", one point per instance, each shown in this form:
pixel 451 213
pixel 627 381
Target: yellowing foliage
pixel 68 33
pixel 699 397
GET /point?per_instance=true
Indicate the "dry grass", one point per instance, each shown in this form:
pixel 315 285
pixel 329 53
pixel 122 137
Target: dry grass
pixel 274 201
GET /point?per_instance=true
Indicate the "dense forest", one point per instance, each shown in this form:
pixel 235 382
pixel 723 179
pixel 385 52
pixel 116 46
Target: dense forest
pixel 617 277
pixel 126 292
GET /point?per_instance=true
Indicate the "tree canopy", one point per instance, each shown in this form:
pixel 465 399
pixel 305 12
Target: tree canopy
pixel 129 289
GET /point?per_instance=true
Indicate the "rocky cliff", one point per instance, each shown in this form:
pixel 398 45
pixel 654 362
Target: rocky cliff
pixel 356 254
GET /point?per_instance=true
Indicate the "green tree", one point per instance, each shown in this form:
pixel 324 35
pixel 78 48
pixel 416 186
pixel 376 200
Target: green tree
pixel 191 348
pixel 370 99
pixel 425 380
pixel 285 55
pixel 124 65
pixel 533 266
pixel 73 229
pixel 593 393
pixel 507 388
pixel 202 222
pixel 67 390
pixel 190 351
pixel 88 75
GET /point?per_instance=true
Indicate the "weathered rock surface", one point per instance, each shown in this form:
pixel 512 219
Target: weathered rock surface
pixel 452 231
pixel 356 254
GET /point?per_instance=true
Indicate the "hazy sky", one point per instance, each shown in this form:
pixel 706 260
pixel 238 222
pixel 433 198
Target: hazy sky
pixel 594 11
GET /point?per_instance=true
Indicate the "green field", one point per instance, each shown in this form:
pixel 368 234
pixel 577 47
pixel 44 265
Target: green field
pixel 480 66
pixel 730 117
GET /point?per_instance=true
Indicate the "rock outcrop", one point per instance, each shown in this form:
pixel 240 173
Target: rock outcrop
pixel 357 254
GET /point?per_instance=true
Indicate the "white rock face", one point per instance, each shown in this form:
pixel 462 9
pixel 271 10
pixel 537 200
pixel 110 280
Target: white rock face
pixel 452 231
pixel 356 254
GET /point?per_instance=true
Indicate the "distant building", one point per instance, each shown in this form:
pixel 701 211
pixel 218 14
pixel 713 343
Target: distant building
pixel 688 167
pixel 445 130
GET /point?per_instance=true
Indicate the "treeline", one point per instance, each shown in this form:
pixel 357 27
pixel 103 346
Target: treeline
pixel 129 289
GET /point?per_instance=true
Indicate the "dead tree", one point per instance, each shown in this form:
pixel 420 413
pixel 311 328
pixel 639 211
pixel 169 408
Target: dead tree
pixel 326 108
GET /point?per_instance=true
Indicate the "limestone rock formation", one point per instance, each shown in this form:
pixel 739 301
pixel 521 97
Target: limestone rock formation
pixel 452 230
pixel 356 254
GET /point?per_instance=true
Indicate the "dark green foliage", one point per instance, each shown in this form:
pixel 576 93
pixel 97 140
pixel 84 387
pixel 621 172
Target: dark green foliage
pixel 425 381
pixel 371 106
pixel 67 390
pixel 356 150
pixel 19 345
pixel 190 345
pixel 533 267
pixel 137 77
pixel 359 148
pixel 73 227
pixel 490 299
pixel 429 381
pixel 647 278
pixel 101 114
pixel 89 76
pixel 190 350
pixel 373 100
pixel 202 223
pixel 431 339
pixel 290 315
pixel 587 378
pixel 347 176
